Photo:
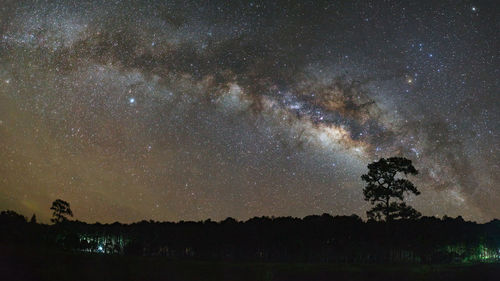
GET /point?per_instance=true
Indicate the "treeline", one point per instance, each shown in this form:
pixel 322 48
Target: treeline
pixel 312 239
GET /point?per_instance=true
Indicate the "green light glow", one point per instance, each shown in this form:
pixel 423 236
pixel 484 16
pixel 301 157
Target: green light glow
pixel 479 253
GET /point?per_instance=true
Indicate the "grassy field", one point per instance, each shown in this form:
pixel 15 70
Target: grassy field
pixel 26 264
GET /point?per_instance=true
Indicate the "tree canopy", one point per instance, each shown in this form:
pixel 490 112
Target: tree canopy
pixel 383 186
pixel 60 212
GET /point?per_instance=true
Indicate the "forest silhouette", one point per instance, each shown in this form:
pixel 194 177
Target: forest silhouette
pixel 394 232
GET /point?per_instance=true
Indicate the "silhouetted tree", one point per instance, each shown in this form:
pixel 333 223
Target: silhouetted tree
pixel 61 210
pixel 33 219
pixel 382 186
pixel 11 217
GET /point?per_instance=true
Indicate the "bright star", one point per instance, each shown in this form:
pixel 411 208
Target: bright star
pixel 131 100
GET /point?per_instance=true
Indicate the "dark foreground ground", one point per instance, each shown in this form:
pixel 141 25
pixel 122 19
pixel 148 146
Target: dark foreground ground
pixel 26 264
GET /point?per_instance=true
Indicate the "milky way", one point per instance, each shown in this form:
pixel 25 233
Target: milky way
pixel 170 110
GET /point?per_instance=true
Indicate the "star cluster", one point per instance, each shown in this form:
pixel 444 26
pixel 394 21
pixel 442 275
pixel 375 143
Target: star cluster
pixel 186 110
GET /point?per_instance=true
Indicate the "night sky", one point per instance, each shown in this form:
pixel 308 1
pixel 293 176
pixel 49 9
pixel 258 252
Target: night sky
pixel 169 110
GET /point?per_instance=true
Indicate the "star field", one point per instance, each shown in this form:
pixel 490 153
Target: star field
pixel 168 110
